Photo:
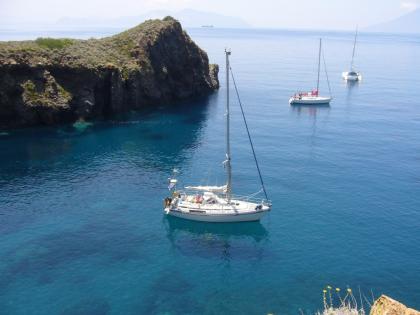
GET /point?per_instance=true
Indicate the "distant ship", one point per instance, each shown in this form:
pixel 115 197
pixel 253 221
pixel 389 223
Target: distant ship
pixel 207 26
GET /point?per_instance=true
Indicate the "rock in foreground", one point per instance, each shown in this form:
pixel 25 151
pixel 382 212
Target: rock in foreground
pixel 49 81
pixel 387 306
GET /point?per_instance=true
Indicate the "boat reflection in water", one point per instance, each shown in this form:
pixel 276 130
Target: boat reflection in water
pixel 312 110
pixel 351 85
pixel 217 241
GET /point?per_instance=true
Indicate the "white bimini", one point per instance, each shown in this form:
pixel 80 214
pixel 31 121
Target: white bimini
pixel 217 203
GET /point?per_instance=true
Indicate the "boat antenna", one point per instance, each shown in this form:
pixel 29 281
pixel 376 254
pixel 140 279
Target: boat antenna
pixel 319 63
pixel 249 135
pixel 227 161
pixel 354 48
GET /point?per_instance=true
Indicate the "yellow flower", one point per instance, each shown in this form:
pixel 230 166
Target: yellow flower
pixel 329 287
pixel 325 291
pixel 337 289
pixel 349 290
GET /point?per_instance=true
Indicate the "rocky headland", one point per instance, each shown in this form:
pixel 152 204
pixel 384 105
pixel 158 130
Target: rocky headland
pixel 50 81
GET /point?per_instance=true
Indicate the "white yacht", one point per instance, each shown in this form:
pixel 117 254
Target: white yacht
pixel 352 75
pixel 217 203
pixel 312 97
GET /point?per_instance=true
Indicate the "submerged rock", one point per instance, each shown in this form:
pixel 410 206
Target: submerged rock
pixel 387 306
pixel 49 81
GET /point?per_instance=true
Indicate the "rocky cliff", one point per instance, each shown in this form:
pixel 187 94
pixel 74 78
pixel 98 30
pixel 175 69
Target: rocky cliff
pixel 387 306
pixel 49 81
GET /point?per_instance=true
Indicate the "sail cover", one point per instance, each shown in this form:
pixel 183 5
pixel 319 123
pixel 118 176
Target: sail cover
pixel 208 188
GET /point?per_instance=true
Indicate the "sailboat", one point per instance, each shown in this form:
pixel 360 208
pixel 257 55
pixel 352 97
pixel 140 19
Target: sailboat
pixel 312 97
pixel 217 203
pixel 352 75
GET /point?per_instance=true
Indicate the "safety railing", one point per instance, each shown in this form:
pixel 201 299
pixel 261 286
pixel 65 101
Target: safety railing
pixel 249 198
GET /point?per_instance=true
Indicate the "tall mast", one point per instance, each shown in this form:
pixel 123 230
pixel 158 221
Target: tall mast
pixel 354 49
pixel 319 63
pixel 228 166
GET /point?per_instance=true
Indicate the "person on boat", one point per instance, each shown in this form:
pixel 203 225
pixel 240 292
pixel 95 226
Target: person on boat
pixel 198 199
pixel 168 201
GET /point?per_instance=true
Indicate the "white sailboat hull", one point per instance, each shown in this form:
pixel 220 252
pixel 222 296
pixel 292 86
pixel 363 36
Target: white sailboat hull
pixel 349 77
pixel 213 208
pixel 220 218
pixel 310 100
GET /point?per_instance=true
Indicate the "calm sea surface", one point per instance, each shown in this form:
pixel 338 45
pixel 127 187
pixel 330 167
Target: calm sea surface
pixel 81 222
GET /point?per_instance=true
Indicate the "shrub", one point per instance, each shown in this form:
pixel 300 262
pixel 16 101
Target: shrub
pixel 347 303
pixel 53 43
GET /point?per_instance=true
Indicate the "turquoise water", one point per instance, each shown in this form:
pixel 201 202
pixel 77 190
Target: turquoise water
pixel 81 222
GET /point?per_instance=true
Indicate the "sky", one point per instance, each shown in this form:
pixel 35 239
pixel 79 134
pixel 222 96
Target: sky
pixel 289 14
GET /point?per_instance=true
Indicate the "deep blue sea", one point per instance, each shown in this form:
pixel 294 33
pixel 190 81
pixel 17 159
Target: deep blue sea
pixel 81 221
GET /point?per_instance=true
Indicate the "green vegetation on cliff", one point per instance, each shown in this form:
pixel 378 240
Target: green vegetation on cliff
pixel 53 43
pixel 50 94
pixel 126 50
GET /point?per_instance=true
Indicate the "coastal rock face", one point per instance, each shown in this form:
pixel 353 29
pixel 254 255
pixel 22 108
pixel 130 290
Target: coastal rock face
pixel 48 81
pixel 387 306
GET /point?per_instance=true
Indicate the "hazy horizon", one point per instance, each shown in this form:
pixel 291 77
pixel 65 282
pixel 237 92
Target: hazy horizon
pixel 299 14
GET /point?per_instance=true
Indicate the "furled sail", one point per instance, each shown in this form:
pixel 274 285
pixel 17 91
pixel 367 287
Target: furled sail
pixel 220 189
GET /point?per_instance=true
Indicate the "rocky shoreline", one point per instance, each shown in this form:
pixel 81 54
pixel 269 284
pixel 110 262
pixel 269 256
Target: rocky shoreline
pixel 51 81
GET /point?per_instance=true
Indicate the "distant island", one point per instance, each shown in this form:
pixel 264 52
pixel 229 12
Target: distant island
pixel 49 81
pixel 187 17
pixel 408 23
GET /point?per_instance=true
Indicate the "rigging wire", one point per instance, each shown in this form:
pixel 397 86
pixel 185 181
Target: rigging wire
pixel 326 73
pixel 249 135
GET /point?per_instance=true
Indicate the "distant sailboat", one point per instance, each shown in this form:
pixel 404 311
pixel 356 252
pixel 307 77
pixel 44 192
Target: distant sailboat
pixel 217 203
pixel 312 97
pixel 352 75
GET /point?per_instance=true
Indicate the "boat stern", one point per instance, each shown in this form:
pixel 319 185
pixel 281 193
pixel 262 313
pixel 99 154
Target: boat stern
pixel 266 207
pixel 351 76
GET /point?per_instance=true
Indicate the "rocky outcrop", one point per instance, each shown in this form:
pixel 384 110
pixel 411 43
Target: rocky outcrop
pixel 49 81
pixel 387 306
